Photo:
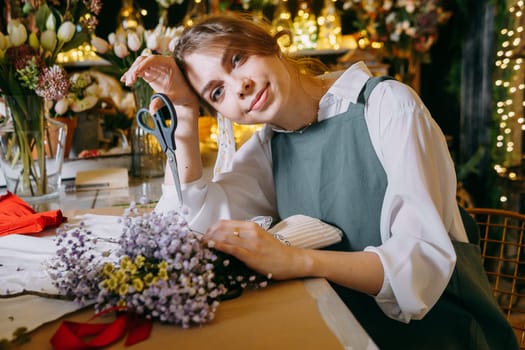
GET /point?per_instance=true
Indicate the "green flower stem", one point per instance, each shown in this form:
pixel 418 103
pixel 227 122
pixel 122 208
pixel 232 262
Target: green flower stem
pixel 28 118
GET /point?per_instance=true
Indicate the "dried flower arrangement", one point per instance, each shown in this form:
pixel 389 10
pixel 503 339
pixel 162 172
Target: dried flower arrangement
pixel 158 269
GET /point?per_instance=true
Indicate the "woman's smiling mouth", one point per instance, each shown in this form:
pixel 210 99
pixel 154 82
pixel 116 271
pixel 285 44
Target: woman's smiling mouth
pixel 260 99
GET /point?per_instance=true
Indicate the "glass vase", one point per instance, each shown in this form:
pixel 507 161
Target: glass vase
pixel 32 150
pixel 147 157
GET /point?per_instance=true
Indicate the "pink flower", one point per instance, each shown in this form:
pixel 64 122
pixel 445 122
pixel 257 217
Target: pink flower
pixel 53 83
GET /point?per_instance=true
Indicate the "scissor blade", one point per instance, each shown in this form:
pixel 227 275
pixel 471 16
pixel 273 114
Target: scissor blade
pixel 175 173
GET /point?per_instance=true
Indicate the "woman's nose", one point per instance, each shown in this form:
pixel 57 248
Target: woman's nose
pixel 246 88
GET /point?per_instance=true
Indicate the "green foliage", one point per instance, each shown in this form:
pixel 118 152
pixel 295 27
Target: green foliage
pixel 20 337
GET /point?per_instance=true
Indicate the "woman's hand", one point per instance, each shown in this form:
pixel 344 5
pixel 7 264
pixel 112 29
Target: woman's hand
pixel 164 76
pixel 258 249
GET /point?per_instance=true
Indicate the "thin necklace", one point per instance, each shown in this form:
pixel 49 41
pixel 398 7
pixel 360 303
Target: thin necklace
pixel 304 128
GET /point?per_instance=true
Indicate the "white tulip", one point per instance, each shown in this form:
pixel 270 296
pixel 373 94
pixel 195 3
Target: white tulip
pixel 51 22
pixel 66 31
pixel 163 44
pixel 121 50
pixel 49 40
pixel 112 38
pixel 100 45
pixel 173 44
pixel 61 106
pixel 17 32
pixel 134 42
pixel 121 36
pixel 146 52
pixel 152 41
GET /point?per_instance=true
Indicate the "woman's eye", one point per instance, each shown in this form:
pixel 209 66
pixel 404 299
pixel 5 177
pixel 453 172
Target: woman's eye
pixel 236 59
pixel 216 93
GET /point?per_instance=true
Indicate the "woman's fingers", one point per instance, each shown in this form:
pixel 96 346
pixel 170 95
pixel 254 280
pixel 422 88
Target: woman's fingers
pixel 249 243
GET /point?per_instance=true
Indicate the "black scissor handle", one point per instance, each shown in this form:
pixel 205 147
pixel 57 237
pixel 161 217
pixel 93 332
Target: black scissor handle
pixel 163 131
pixel 143 123
pixel 166 112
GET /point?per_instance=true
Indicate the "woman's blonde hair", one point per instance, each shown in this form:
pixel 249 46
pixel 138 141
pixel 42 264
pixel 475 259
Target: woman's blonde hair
pixel 243 33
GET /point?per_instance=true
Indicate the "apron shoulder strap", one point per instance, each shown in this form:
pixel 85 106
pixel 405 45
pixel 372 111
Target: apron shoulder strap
pixel 369 86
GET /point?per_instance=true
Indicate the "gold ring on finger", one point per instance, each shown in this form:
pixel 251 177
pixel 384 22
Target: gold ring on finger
pixel 236 232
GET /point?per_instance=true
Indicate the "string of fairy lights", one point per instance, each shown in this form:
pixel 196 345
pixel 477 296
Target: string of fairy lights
pixel 509 94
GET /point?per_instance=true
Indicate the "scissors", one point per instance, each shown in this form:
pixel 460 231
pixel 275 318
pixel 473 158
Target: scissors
pixel 164 133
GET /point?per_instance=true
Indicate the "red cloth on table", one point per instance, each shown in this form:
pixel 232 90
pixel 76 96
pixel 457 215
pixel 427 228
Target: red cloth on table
pixel 16 216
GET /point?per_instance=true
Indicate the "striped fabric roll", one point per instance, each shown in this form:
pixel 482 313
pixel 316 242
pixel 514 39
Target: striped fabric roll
pixel 306 232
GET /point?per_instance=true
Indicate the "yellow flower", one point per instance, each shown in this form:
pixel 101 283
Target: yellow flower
pixel 163 274
pixel 121 303
pixel 123 289
pixel 107 269
pixel 139 261
pixel 138 284
pixel 112 284
pixel 124 261
pixel 148 278
pixel 120 275
pixel 163 265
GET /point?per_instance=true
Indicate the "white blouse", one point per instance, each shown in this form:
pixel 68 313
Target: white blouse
pixel 419 216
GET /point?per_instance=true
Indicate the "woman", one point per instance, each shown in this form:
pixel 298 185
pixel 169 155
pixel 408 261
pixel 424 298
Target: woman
pixel 359 153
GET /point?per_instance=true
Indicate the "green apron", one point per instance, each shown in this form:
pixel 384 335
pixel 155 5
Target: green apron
pixel 331 172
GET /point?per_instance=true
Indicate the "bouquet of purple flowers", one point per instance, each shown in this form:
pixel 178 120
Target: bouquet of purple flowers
pixel 159 269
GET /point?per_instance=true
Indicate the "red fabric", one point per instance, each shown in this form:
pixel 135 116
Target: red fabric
pixel 69 335
pixel 16 216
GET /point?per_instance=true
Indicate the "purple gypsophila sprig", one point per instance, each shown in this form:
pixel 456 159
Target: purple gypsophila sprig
pixel 75 270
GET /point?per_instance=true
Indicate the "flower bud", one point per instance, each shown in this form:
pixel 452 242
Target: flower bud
pixel 17 32
pixel 4 42
pixel 100 45
pixel 27 8
pixel 134 42
pixel 121 50
pixel 51 22
pixel 163 45
pixel 49 40
pixel 112 38
pixel 152 41
pixel 33 41
pixel 173 43
pixel 66 31
pixel 61 106
pixel 146 52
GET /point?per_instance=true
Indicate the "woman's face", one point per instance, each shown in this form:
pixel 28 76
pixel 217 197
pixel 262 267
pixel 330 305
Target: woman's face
pixel 245 89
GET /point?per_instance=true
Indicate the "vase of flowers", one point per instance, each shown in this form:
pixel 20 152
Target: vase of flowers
pixel 30 78
pixel 31 160
pixel 406 30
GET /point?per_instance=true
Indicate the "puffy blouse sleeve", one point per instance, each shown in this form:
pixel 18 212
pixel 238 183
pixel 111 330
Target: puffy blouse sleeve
pixel 241 192
pixel 419 216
